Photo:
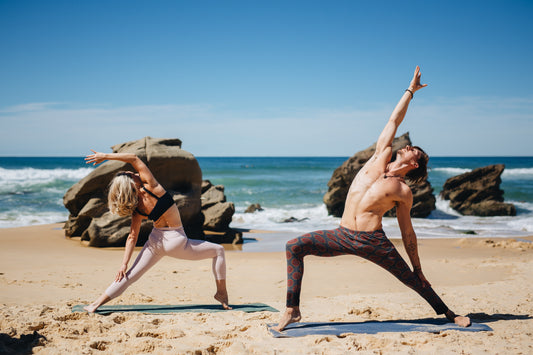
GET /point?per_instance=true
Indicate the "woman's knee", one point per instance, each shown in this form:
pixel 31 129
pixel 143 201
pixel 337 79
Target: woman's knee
pixel 219 250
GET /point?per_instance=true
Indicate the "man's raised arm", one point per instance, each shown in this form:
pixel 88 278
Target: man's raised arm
pixel 397 116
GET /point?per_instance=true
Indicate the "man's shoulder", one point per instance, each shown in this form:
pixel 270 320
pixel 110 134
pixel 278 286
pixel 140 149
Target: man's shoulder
pixel 405 191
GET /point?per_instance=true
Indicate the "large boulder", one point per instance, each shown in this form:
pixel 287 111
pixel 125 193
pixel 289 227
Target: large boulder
pixel 478 193
pixel 176 169
pixel 339 184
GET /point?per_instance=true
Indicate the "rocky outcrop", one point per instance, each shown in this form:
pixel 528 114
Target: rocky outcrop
pixel 217 214
pixel 175 169
pixel 478 193
pixel 339 184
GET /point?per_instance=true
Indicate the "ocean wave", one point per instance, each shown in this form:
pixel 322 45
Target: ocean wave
pixel 42 181
pixel 304 219
pixel 15 219
pixel 518 173
pixel 451 171
pixel 444 222
pixel 40 175
pixel 507 173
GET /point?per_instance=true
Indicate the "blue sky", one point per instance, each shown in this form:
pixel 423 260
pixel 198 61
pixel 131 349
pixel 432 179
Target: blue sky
pixel 264 78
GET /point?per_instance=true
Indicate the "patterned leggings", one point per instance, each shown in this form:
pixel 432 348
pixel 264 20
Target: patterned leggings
pixel 373 246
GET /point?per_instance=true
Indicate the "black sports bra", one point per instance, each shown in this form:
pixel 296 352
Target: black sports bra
pixel 162 205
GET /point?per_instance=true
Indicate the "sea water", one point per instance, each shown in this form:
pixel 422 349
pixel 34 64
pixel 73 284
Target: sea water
pixel 287 188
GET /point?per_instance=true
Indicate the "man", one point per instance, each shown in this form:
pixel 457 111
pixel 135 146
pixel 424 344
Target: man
pixel 378 187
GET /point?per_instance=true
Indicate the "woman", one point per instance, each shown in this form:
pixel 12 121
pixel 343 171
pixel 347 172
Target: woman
pixel 141 196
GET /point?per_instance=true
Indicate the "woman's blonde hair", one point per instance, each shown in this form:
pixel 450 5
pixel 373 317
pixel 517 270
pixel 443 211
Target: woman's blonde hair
pixel 122 197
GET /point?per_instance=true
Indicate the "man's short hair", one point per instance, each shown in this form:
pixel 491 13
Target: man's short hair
pixel 419 174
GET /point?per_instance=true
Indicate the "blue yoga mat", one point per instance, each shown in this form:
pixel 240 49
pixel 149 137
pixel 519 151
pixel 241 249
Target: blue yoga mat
pixel 372 327
pixel 196 308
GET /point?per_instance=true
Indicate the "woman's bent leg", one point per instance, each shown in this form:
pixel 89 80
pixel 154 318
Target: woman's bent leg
pixel 179 246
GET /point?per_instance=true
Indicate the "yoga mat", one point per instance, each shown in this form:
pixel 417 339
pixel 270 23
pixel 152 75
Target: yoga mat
pixel 196 308
pixel 372 327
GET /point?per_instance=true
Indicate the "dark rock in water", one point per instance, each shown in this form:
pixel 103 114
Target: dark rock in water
pixel 254 207
pixel 339 184
pixel 175 169
pixel 478 193
pixel 294 219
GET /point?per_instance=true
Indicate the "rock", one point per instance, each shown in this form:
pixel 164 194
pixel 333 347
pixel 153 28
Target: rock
pixel 218 216
pixel 176 170
pixel 294 219
pixel 213 195
pixel 253 207
pixel 478 193
pixel 339 184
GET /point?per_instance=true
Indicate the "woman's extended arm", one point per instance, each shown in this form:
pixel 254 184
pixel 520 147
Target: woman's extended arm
pixel 144 173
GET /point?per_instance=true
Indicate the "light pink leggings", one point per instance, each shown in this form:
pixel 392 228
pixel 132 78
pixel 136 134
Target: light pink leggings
pixel 172 242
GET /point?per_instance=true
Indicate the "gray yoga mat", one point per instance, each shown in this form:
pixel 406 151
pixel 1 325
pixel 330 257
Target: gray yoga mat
pixel 158 309
pixel 372 327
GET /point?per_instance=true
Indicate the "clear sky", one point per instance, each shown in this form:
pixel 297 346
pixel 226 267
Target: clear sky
pixel 264 78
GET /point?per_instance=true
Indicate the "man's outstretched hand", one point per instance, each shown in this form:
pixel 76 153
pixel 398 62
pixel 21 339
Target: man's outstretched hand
pixel 415 83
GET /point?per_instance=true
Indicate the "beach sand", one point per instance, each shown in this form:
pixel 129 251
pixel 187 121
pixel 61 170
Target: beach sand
pixel 43 274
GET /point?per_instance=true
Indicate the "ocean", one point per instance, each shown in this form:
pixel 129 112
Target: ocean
pixel 32 189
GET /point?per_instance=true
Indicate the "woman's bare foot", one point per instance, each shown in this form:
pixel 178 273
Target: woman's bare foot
pixel 91 307
pixel 459 320
pixel 292 315
pixel 222 297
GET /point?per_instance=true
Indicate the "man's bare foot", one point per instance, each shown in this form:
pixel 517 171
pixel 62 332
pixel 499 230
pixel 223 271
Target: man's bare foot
pixel 459 320
pixel 292 315
pixel 222 297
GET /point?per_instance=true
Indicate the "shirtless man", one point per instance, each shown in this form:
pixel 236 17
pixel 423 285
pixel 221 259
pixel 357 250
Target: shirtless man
pixel 378 187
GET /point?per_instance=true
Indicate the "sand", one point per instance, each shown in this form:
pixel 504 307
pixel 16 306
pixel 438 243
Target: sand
pixel 43 274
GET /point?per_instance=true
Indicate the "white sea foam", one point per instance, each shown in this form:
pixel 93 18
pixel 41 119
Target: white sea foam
pixel 522 173
pixel 451 171
pixel 306 219
pixel 21 218
pixel 42 175
pixel 444 222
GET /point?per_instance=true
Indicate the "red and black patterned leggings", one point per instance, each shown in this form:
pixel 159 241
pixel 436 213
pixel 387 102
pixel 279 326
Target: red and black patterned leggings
pixel 373 246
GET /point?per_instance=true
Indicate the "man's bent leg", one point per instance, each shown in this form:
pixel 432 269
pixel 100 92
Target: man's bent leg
pixel 386 256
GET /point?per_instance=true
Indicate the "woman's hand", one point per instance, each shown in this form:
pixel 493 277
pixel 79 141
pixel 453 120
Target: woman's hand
pixel 415 82
pixel 121 273
pixel 95 158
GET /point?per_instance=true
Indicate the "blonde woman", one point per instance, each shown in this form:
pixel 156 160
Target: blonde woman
pixel 140 196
